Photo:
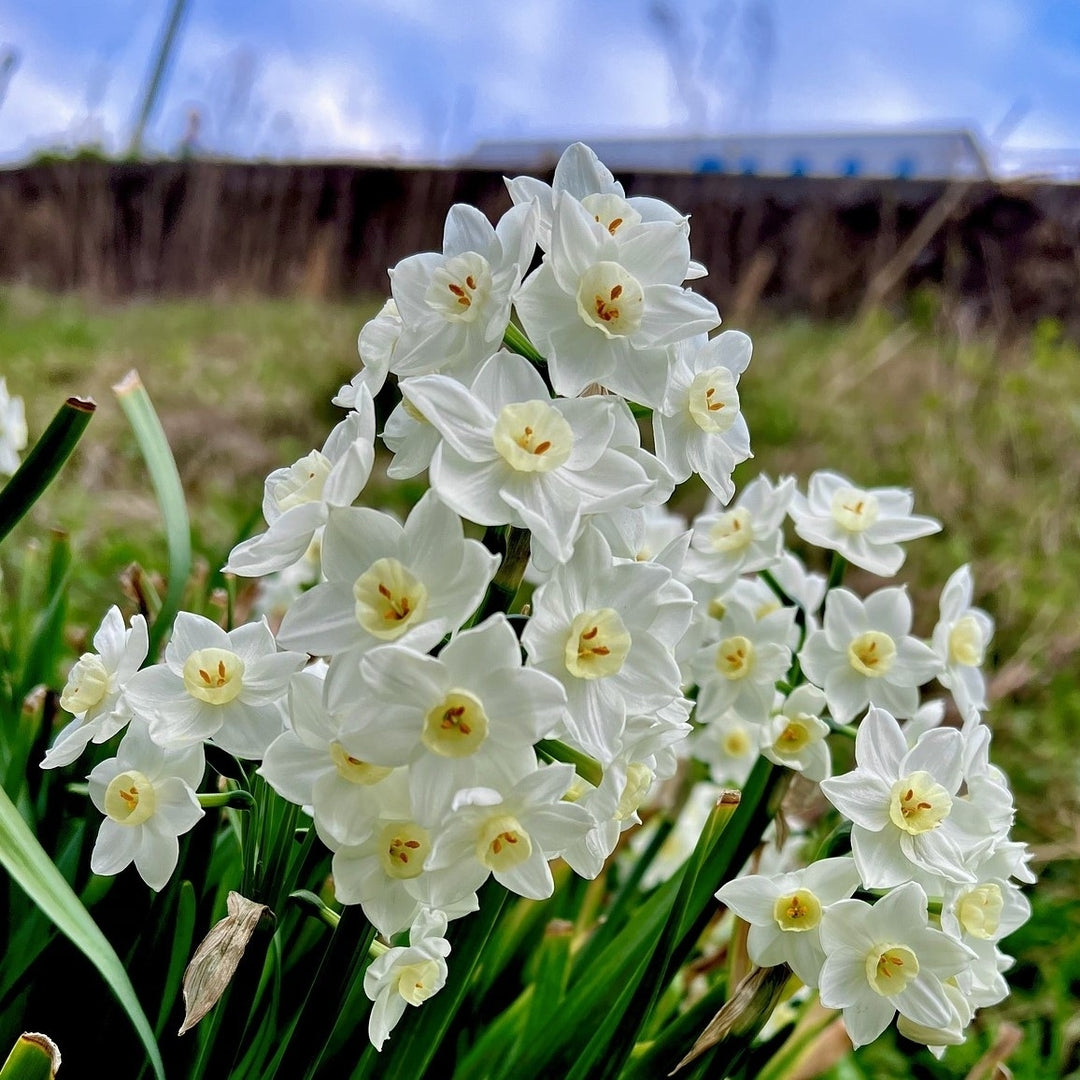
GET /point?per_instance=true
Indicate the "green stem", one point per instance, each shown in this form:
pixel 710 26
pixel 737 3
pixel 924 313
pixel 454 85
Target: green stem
pixel 586 767
pixel 516 341
pixel 836 571
pixel 44 461
pixel 512 545
pixel 238 799
pixel 345 957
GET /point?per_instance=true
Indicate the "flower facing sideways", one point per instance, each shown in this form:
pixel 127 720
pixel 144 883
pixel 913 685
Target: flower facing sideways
pixel 406 975
pixel 865 526
pixel 95 687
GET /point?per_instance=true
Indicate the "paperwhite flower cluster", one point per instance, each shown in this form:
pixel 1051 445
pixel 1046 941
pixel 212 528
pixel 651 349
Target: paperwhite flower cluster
pixel 432 737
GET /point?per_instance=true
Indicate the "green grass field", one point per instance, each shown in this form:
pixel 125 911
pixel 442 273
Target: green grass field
pixel 987 435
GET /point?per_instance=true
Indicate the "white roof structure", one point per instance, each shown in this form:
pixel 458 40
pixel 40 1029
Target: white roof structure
pixel 899 154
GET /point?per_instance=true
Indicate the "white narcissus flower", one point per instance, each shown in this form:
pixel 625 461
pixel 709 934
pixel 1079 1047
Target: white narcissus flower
pixel 13 431
pixel 147 794
pixel 455 306
pixel 580 174
pixel 228 687
pixel 411 438
pixel 606 630
pixel 866 526
pixel 740 671
pixel 747 537
pixel 467 718
pixel 312 764
pixel 864 654
pixel 886 959
pixel 510 834
pixel 376 343
pixel 605 307
pixel 805 588
pixel 94 692
pixel 785 913
pixel 406 975
pixel 960 640
pixel 700 427
pixel 980 915
pixel 297 500
pixel 909 821
pixel 412 584
pixel 513 455
pixel 387 874
pixel 728 743
pixel 795 736
pixel 647 758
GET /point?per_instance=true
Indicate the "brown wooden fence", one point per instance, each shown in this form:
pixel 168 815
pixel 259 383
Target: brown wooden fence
pixel 824 247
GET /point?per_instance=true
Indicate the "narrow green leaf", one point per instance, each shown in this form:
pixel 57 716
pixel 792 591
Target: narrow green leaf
pixel 139 410
pixel 600 994
pixel 33 1057
pixel 32 869
pixel 44 461
pixel 549 982
pixel 183 936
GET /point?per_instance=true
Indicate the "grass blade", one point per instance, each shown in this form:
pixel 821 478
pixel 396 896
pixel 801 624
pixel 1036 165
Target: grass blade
pixel 44 461
pixel 32 869
pixel 143 418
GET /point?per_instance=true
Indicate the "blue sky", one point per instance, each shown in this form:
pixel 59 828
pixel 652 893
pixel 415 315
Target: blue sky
pixel 426 79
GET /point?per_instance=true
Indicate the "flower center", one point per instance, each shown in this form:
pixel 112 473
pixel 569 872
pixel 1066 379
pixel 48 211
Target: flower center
pixel 796 735
pixel 918 803
pixel 389 599
pixel 979 910
pixel 639 778
pixel 403 847
pixel 597 644
pixel 354 769
pixel 798 911
pixel 610 299
pixel 215 676
pixel 735 657
pixel 889 968
pixel 966 644
pixel 503 843
pixel 302 482
pixel 737 742
pixel 456 726
pixel 417 982
pixel 130 798
pixel 611 211
pixel 87 684
pixel 714 400
pixel 532 436
pixel 854 510
pixel 733 531
pixel 460 286
pixel 872 654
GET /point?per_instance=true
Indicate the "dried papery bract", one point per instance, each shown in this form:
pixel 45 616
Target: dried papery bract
pixel 216 959
pixel 745 1014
